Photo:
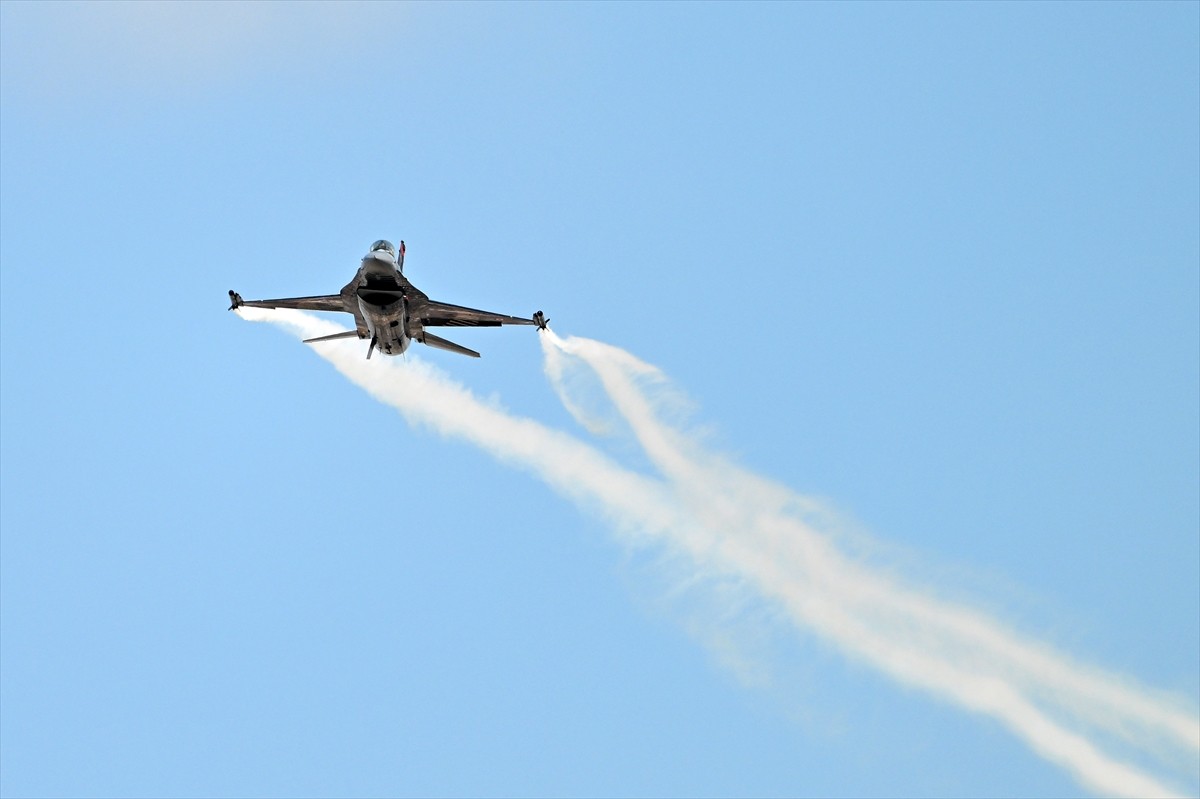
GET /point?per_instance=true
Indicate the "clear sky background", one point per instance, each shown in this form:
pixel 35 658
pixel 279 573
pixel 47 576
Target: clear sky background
pixel 938 264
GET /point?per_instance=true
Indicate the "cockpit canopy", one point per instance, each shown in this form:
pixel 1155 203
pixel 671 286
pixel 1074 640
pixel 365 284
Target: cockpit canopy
pixel 385 245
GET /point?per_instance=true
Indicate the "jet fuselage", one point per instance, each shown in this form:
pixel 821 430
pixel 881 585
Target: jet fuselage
pixel 382 304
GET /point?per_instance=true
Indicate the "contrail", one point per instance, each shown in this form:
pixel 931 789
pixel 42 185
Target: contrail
pixel 948 650
pixel 730 521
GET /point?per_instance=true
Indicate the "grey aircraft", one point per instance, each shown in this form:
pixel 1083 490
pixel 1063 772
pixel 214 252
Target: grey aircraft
pixel 389 310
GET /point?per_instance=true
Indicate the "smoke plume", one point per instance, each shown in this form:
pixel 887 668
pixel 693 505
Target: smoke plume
pixel 728 521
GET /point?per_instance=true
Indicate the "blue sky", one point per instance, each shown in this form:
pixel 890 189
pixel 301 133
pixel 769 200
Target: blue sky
pixel 938 265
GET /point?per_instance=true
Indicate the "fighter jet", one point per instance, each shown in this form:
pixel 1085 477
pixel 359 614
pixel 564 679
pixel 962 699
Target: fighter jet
pixel 389 310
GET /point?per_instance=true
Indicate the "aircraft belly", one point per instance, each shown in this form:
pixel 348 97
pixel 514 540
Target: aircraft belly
pixel 386 325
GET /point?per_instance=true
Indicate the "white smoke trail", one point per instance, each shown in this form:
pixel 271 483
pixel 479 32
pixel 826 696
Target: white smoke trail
pixel 947 650
pixel 730 521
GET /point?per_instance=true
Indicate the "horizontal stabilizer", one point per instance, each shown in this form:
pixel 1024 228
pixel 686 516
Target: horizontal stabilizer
pixel 440 343
pixel 347 334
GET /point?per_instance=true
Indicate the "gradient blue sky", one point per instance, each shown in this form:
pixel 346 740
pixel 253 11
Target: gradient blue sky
pixel 939 264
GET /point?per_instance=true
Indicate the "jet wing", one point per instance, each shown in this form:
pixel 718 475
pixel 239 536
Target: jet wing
pixel 343 302
pixel 329 302
pixel 440 314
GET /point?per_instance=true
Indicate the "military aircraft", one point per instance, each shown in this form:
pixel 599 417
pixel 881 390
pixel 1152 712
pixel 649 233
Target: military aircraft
pixel 389 310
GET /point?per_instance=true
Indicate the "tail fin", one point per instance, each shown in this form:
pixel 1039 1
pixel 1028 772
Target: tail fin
pixel 431 340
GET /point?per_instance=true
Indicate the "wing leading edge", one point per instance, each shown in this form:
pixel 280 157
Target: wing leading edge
pixel 441 314
pixel 327 302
